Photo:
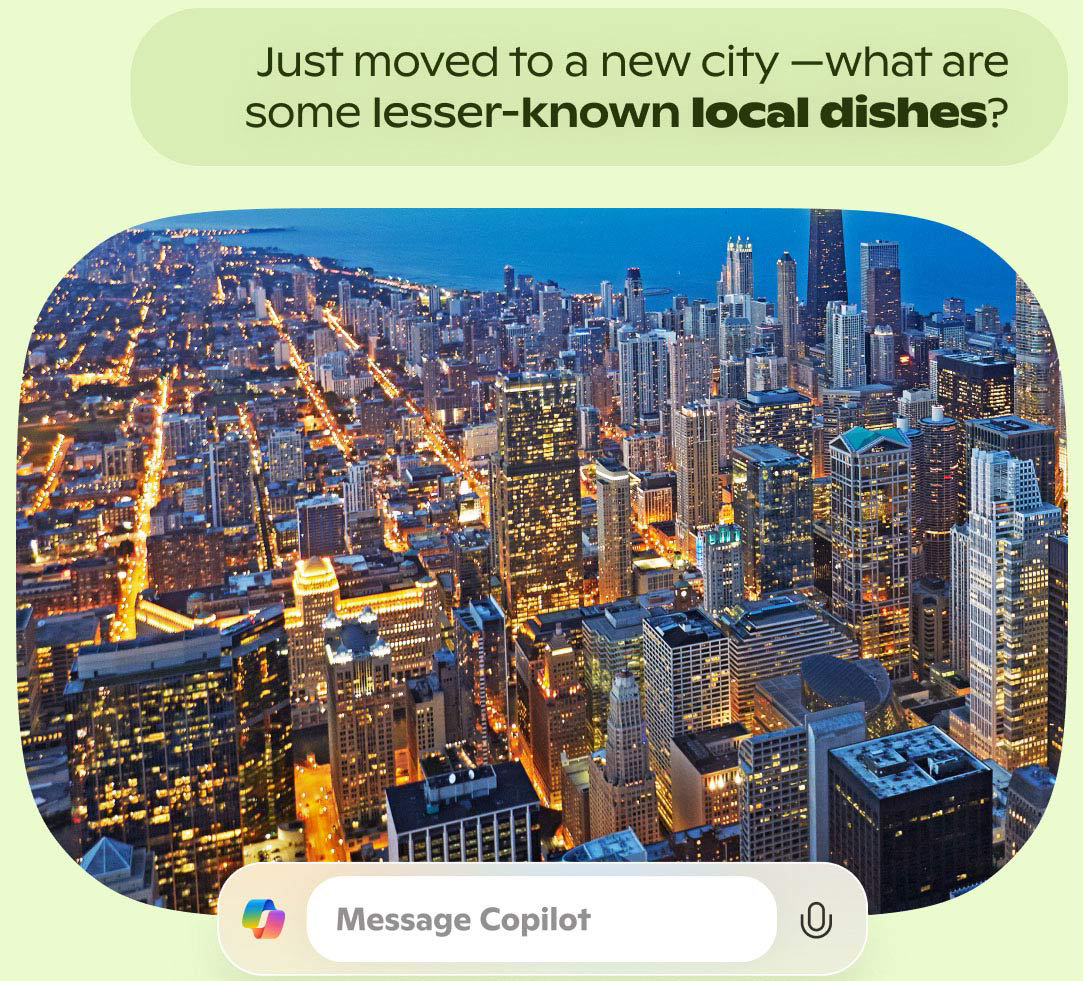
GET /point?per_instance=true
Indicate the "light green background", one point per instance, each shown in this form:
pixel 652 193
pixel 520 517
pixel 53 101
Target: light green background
pixel 202 119
pixel 78 170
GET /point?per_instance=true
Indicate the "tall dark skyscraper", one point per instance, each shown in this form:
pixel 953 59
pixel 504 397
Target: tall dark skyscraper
pixel 826 267
pixel 911 815
pixel 635 309
pixel 321 526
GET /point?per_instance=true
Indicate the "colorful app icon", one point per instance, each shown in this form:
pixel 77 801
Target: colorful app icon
pixel 261 917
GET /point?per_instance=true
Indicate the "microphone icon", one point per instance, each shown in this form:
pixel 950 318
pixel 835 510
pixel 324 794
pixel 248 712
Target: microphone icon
pixel 819 921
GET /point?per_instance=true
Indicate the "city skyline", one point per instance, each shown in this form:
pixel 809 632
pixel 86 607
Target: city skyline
pixel 376 568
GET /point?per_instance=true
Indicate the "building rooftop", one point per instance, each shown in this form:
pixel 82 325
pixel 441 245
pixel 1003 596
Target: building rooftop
pixel 1009 425
pixel 713 749
pixel 775 396
pixel 678 629
pixel 907 761
pixel 1034 784
pixel 859 438
pixel 768 454
pixel 621 846
pixel 459 795
pixel 65 629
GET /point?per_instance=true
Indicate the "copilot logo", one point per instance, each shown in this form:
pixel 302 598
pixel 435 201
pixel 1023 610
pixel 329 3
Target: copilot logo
pixel 261 917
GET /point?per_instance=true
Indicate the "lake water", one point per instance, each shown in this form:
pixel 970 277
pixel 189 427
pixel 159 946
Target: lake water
pixel 682 250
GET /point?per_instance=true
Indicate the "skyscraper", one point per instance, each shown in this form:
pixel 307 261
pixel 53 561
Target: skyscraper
pixel 786 308
pixel 826 267
pixel 846 345
pixel 911 815
pixel 613 484
pixel 740 271
pixel 685 687
pixel 229 490
pixel 971 386
pixel 772 507
pixel 558 715
pixel 612 642
pixel 719 560
pixel 871 543
pixel 635 306
pixel 360 495
pixel 1021 438
pixel 321 526
pixel 1036 368
pixel 689 374
pixel 534 495
pixel 771 637
pixel 782 417
pixel 256 646
pixel 881 290
pixel 643 360
pixel 772 796
pixel 360 694
pixel 622 792
pixel 285 454
pixel 154 760
pixel 1058 645
pixel 695 444
pixel 315 596
pixel 935 493
pixel 551 320
pixel 1004 569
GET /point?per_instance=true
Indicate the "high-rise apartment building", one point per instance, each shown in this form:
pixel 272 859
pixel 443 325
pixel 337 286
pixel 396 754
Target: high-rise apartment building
pixel 871 483
pixel 613 488
pixel 786 308
pixel 772 508
pixel 229 490
pixel 635 305
pixel 782 418
pixel 695 444
pixel 285 459
pixel 321 526
pixel 845 336
pixel 643 364
pixel 534 495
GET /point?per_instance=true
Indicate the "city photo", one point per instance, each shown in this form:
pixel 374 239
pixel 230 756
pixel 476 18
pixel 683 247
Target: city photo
pixel 541 535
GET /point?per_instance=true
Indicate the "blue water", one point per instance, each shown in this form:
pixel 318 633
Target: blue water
pixel 679 249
